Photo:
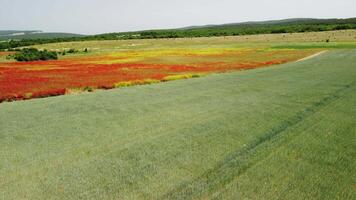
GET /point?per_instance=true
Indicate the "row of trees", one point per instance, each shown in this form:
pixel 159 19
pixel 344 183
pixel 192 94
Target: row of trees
pixel 223 30
pixel 33 54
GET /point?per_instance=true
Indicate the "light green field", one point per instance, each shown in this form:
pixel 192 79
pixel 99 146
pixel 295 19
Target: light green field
pixel 284 132
pixel 337 39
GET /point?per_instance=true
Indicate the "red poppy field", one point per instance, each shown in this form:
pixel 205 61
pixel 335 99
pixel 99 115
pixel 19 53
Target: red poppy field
pixel 26 80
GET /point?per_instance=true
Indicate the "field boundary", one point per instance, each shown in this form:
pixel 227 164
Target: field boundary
pixel 312 56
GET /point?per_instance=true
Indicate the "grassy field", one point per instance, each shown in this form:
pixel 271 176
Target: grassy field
pixel 284 132
pixel 265 40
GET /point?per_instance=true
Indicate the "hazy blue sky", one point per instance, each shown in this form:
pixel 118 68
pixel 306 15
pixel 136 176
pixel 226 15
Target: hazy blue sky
pixel 99 16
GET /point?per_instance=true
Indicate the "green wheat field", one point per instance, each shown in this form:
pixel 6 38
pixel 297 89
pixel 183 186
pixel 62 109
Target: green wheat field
pixel 282 132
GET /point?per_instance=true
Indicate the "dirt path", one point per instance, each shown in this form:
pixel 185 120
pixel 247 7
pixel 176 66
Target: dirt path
pixel 312 56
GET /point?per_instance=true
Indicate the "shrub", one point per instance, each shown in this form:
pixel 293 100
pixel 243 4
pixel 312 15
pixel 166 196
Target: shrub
pixel 32 54
pixel 72 51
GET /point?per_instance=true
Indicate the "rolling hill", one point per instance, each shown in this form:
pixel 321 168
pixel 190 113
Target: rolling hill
pixel 33 34
pixel 244 28
pixel 291 21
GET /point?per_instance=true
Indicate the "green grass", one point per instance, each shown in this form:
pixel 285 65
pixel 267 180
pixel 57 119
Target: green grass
pixel 325 45
pixel 284 132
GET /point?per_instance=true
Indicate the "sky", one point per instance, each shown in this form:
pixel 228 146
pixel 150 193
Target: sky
pixel 103 16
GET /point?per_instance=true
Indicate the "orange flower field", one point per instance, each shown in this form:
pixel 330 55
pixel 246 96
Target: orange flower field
pixel 25 80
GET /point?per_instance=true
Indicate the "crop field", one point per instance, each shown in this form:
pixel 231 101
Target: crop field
pixel 280 132
pixel 111 64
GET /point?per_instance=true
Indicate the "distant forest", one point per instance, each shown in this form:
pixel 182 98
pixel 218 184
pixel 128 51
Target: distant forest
pixel 248 28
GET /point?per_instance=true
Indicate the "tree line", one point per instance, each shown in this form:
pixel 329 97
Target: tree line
pixel 312 25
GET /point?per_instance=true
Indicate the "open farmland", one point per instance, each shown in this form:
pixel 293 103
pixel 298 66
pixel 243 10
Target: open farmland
pixel 111 64
pixel 177 100
pixel 282 132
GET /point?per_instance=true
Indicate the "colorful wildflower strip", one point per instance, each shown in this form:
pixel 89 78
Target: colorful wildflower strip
pixel 38 79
